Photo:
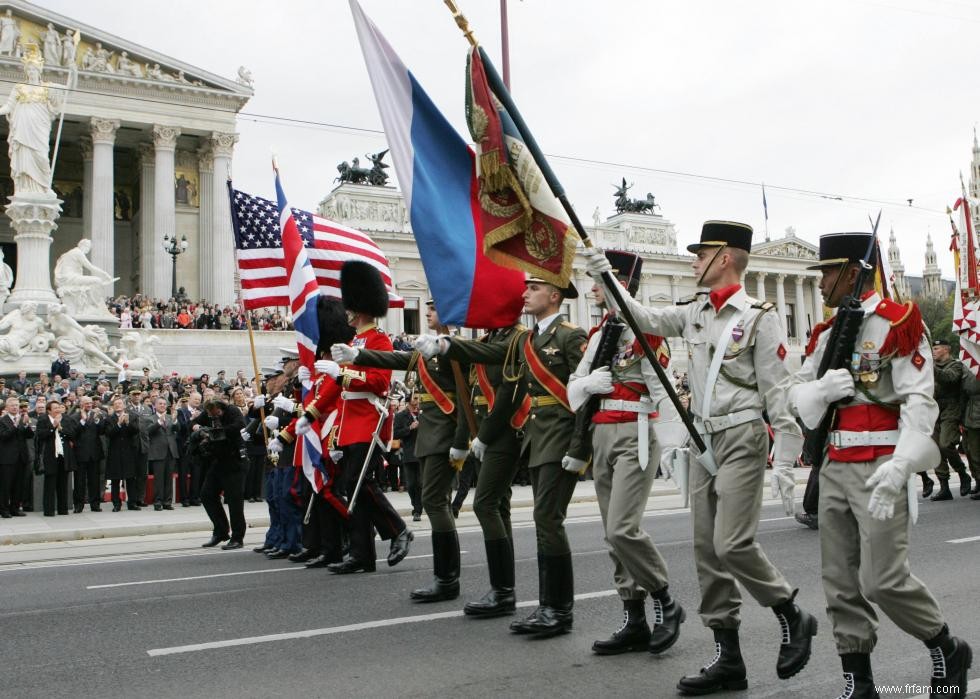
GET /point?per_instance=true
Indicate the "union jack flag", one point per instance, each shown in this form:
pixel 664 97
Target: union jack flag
pixel 261 258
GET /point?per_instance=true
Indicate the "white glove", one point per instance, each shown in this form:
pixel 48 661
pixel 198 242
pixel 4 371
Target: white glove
pixel 782 484
pixel 274 446
pixel 431 345
pixel 458 454
pixel 271 422
pixel 246 436
pixel 328 367
pixel 573 465
pixel 258 401
pixel 283 403
pixel 343 354
pixel 336 455
pixel 478 448
pixel 599 382
pixel 302 426
pixel 596 262
pixel 303 374
pixel 887 481
pixel 811 399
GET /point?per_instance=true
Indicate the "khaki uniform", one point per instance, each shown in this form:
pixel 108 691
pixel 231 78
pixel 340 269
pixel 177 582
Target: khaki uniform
pixel 948 377
pixel 437 433
pixel 622 484
pixel 549 433
pixel 726 507
pixel 865 560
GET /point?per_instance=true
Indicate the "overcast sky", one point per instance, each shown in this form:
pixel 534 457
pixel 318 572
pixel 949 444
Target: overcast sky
pixel 871 99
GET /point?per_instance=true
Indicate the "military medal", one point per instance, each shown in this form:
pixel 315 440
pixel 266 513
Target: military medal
pixel 737 332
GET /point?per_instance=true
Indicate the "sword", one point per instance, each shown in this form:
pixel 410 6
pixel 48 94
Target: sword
pixel 309 508
pixel 375 441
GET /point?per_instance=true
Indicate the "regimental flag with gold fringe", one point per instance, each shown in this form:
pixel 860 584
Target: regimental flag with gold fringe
pixel 966 299
pixel 525 226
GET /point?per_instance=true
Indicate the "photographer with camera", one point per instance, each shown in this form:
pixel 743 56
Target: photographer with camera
pixel 216 435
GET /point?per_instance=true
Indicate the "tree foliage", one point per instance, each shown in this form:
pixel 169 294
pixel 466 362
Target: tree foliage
pixel 937 313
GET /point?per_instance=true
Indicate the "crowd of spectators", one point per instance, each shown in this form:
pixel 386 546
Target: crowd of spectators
pixel 183 314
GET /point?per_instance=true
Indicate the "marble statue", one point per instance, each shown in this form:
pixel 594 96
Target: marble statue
pixel 136 353
pixel 68 49
pixel 52 45
pixel 127 66
pixel 30 109
pixel 6 280
pixel 9 34
pixel 245 77
pixel 82 345
pixel 79 284
pixel 25 333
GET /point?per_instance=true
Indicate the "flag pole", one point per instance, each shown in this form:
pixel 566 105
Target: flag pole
pixel 251 337
pixel 501 92
pixel 70 84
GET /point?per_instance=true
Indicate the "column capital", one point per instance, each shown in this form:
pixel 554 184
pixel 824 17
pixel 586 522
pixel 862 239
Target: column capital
pixel 780 278
pixel 165 137
pixel 800 278
pixel 205 159
pixel 675 278
pixel 761 276
pixel 85 145
pixel 147 155
pixel 223 144
pixel 104 130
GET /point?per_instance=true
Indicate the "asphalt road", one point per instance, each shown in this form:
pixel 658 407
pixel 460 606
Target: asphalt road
pixel 162 617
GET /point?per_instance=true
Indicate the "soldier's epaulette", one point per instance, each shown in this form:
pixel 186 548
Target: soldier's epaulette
pixel 764 305
pixel 690 299
pixel 906 328
pixel 570 326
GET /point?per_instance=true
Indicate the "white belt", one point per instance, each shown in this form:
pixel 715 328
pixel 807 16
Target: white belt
pixel 372 398
pixel 720 423
pixel 642 408
pixel 884 438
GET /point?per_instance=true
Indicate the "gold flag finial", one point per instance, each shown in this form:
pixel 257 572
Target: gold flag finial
pixel 461 22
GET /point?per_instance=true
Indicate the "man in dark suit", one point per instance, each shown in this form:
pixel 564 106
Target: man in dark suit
pixel 188 465
pixel 60 366
pixel 160 429
pixel 86 429
pixel 12 432
pixel 406 429
pixel 224 473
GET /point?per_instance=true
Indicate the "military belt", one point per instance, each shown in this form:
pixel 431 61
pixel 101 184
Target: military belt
pixel 429 398
pixel 720 423
pixel 841 439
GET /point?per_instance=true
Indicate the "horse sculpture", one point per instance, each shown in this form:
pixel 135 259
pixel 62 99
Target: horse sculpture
pixel 637 206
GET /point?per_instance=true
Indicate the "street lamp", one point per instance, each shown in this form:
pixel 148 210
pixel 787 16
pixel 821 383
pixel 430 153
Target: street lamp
pixel 174 247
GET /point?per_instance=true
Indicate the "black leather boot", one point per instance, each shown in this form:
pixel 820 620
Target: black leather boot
pixel 858 682
pixel 445 564
pixel 500 600
pixel 965 482
pixel 632 635
pixel 726 671
pixel 554 616
pixel 798 629
pixel 943 493
pixel 808 520
pixel 525 625
pixel 951 658
pixel 927 483
pixel 667 619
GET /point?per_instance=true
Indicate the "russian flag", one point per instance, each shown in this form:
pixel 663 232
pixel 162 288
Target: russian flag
pixel 437 174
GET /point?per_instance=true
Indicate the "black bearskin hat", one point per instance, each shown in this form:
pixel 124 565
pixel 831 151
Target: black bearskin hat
pixel 333 324
pixel 363 289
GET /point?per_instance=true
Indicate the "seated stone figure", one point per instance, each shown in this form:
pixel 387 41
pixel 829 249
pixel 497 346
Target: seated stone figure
pixel 80 284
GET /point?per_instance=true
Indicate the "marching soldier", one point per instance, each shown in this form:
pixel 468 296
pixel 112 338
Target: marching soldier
pixel 442 443
pixel 948 378
pixel 364 388
pixel 879 439
pixel 634 415
pixel 541 360
pixel 736 351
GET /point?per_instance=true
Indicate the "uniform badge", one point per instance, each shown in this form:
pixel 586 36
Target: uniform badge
pixel 918 361
pixel 550 351
pixel 781 352
pixel 868 345
pixel 865 364
pixel 359 342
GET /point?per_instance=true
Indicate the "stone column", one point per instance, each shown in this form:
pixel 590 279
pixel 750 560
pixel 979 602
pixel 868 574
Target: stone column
pixel 583 283
pixel 817 302
pixel 206 203
pixel 675 282
pixel 781 300
pixel 164 205
pixel 802 309
pixel 217 269
pixel 149 250
pixel 33 219
pixel 85 145
pixel 103 197
pixel 760 286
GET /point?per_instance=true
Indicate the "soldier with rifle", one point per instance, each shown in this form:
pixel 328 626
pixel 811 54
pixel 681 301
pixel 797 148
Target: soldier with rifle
pixel 736 349
pixel 620 401
pixel 877 354
pixel 442 446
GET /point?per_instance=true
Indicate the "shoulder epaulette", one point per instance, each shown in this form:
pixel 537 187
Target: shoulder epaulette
pixel 906 328
pixel 764 305
pixel 570 326
pixel 690 299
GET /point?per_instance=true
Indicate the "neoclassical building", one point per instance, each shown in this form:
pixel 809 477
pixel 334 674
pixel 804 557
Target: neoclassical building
pixel 145 151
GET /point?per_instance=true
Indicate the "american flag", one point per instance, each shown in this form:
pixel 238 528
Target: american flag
pixel 258 244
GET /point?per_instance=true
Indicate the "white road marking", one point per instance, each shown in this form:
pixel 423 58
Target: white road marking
pixel 964 541
pixel 329 631
pixel 775 519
